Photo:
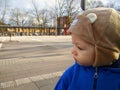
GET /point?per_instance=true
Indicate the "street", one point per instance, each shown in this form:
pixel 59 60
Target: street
pixel 34 56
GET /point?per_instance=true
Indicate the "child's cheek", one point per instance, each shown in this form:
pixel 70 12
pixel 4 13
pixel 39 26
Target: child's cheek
pixel 74 52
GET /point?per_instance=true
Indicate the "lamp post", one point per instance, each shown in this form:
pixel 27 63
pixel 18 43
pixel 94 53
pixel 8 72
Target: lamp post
pixel 10 33
pixel 57 15
pixel 83 4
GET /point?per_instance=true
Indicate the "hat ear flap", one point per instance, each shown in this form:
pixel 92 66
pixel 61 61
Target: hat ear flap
pixel 92 17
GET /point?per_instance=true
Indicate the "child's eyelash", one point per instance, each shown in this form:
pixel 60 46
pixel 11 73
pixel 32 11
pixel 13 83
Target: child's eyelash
pixel 79 48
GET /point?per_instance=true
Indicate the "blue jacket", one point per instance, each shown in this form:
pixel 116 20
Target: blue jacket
pixel 79 77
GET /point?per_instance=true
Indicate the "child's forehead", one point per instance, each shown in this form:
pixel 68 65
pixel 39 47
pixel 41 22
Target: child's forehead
pixel 79 39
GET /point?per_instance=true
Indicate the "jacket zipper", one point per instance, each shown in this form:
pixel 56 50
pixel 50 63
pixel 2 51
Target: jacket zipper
pixel 95 78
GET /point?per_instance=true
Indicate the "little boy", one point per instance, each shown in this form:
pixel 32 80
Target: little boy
pixel 96 48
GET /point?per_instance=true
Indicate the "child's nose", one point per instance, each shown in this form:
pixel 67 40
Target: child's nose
pixel 74 52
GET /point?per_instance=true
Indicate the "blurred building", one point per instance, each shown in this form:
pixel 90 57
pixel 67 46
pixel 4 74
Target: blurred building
pixel 63 24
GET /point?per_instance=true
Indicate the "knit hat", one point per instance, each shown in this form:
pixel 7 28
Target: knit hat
pixel 101 28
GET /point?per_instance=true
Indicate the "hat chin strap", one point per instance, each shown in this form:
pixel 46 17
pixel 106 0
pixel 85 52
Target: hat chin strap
pixel 104 56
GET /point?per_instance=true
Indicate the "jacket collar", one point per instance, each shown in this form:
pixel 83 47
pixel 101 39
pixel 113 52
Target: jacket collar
pixel 116 64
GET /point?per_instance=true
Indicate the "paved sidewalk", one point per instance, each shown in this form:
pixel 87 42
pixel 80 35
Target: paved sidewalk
pixel 37 38
pixel 41 82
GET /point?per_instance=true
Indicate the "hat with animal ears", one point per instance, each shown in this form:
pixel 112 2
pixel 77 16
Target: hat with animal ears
pixel 101 28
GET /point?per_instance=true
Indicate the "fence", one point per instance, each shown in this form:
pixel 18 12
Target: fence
pixel 29 31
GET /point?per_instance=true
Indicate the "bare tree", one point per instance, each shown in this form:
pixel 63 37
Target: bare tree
pixel 61 7
pixel 44 17
pixel 30 21
pixel 58 9
pixel 3 10
pixel 65 8
pixel 72 8
pixel 52 17
pixel 111 4
pixel 94 4
pixel 35 12
pixel 40 15
pixel 17 17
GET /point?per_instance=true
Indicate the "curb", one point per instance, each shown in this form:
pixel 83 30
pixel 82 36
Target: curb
pixel 27 80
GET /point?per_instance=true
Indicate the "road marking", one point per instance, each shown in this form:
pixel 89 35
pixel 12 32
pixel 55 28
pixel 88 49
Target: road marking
pixel 36 39
pixel 1 42
pixel 1 45
pixel 27 80
pixel 45 57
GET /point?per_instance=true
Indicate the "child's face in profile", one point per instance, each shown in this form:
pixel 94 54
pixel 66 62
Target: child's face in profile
pixel 82 51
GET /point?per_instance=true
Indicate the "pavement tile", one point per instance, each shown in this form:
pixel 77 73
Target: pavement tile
pixel 19 75
pixel 0 87
pixel 43 83
pixel 54 80
pixel 30 86
pixel 47 87
pixel 7 84
pixel 22 81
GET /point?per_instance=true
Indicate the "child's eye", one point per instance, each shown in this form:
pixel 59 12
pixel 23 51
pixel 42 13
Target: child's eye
pixel 79 48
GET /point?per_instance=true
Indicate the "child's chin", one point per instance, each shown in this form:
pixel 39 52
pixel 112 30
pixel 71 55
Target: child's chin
pixel 75 59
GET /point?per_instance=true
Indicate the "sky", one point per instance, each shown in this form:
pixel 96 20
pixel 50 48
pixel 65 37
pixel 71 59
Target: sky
pixel 27 4
pixel 24 5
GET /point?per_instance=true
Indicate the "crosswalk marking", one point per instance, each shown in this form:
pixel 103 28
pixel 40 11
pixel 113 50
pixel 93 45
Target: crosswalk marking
pixel 22 81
